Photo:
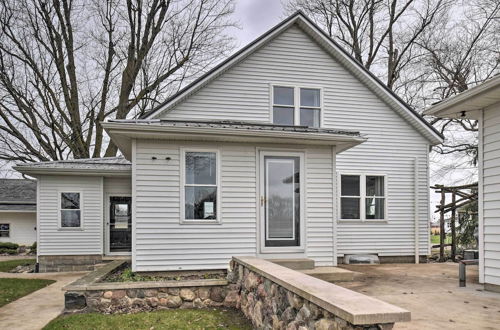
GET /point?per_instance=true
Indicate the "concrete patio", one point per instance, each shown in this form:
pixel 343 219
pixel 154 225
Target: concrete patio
pixel 431 293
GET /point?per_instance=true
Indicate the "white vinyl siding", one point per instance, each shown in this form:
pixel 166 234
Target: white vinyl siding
pixel 22 227
pixel 491 193
pixel 163 243
pixel 77 241
pixel 242 93
pixel 118 186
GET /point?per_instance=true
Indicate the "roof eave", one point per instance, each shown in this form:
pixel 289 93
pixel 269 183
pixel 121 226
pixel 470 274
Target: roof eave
pixel 124 133
pixel 34 171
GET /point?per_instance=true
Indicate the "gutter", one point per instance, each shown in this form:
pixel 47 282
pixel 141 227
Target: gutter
pixel 125 128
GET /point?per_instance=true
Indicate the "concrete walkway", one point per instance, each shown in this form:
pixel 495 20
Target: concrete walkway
pixel 34 311
pixel 431 293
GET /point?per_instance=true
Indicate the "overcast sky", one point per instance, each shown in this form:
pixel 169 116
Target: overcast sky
pixel 254 18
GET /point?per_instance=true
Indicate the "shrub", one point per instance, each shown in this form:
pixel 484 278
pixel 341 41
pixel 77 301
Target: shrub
pixel 9 246
pixel 33 248
pixel 7 251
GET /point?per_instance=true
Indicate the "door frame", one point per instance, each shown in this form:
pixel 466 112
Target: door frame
pixel 107 204
pixel 301 154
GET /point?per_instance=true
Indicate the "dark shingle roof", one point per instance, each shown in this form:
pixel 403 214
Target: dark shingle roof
pixel 17 195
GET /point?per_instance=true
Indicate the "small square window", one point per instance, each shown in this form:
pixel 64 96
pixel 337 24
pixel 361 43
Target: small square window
pixel 283 96
pixel 4 230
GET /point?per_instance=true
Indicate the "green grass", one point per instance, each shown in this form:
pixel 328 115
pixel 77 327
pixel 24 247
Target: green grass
pixel 5 266
pixel 15 288
pixel 177 319
pixel 435 239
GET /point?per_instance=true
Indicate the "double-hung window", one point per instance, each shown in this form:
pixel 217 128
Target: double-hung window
pixel 296 106
pixel 362 197
pixel 4 230
pixel 70 211
pixel 200 185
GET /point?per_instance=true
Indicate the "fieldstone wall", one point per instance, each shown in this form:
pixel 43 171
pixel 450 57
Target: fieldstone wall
pixel 136 300
pixel 271 306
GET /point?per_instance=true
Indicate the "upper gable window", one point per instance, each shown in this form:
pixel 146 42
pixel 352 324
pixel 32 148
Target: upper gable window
pixel 296 106
pixel 283 105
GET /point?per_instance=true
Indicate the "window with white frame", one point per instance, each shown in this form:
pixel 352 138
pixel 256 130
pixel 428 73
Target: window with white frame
pixel 200 190
pixel 296 106
pixel 362 197
pixel 70 211
pixel 4 230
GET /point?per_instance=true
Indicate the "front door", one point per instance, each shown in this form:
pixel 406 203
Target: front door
pixel 120 224
pixel 281 199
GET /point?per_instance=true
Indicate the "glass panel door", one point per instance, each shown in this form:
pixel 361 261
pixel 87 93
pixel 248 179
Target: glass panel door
pixel 120 224
pixel 281 200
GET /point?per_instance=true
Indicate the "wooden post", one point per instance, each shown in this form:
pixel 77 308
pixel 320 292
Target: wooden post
pixel 441 226
pixel 453 232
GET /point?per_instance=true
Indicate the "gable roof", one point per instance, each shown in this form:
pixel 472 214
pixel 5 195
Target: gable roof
pixel 333 48
pixel 17 195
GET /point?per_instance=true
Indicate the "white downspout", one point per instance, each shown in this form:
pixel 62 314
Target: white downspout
pixel 334 205
pixel 415 186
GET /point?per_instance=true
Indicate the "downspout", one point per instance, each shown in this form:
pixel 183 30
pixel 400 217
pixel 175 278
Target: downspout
pixel 334 204
pixel 415 199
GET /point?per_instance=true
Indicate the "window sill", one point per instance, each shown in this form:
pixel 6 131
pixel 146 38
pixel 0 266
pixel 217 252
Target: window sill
pixel 363 221
pixel 200 222
pixel 70 229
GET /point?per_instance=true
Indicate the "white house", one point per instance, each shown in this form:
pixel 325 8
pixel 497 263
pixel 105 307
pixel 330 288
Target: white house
pixel 483 104
pixel 18 211
pixel 288 149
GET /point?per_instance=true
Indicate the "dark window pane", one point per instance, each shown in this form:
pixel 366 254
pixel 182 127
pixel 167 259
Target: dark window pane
pixel 374 185
pixel 283 95
pixel 375 208
pixel 309 117
pixel 70 218
pixel 350 185
pixel 201 168
pixel 4 229
pixel 309 97
pixel 200 203
pixel 70 201
pixel 349 207
pixel 283 116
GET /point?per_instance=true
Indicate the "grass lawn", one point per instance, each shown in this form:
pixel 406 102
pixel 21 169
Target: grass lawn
pixel 435 239
pixel 15 288
pixel 177 319
pixel 5 266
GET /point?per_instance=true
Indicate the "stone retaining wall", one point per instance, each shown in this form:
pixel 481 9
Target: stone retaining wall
pixel 270 296
pixel 135 300
pixel 270 306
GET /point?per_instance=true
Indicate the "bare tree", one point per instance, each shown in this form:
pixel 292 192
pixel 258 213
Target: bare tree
pixel 381 35
pixel 66 65
pixel 461 53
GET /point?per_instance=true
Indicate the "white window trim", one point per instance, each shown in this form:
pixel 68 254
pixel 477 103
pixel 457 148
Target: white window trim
pixel 296 101
pixel 59 209
pixel 182 181
pixel 362 196
pixel 10 229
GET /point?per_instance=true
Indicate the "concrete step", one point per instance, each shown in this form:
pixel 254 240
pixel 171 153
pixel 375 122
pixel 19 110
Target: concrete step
pixel 331 274
pixel 295 263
